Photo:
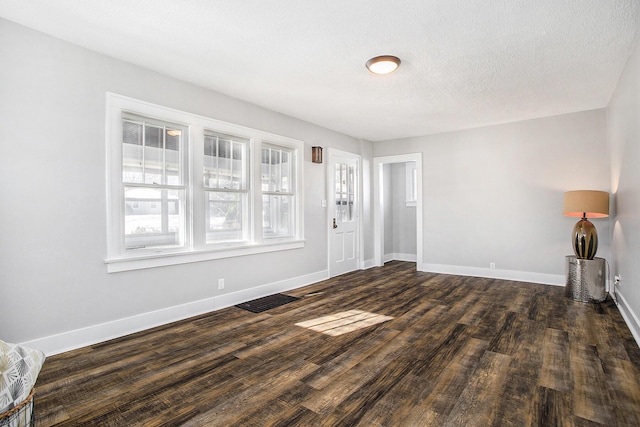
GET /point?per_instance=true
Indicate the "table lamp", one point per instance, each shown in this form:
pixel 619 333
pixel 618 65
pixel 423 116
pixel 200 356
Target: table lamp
pixel 585 204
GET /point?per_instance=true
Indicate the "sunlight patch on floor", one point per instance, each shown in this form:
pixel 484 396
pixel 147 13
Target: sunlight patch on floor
pixel 344 322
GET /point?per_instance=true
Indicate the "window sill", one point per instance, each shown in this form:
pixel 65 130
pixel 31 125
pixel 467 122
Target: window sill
pixel 116 265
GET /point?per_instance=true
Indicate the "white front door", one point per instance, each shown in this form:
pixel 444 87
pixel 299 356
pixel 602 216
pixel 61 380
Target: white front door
pixel 343 213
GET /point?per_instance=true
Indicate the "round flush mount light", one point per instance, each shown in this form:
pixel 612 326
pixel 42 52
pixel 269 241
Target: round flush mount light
pixel 384 64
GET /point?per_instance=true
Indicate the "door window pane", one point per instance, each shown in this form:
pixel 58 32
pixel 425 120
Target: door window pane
pixel 345 177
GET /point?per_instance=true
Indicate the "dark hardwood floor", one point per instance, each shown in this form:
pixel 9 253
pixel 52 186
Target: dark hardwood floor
pixel 459 351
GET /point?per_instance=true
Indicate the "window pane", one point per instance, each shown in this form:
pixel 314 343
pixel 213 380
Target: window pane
pixel 225 162
pixel 211 162
pixel 285 172
pixel 237 167
pixel 153 136
pixel 131 132
pixel 172 156
pixel 172 141
pixel 276 215
pixel 277 170
pixel 132 158
pixel 153 153
pixel 144 157
pixel 225 216
pixel 153 217
pixel 266 170
pixel 238 151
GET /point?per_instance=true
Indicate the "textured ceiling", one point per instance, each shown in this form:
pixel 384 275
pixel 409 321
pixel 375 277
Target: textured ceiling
pixel 464 63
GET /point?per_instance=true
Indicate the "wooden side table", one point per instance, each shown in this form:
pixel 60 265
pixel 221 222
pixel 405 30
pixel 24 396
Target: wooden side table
pixel 585 279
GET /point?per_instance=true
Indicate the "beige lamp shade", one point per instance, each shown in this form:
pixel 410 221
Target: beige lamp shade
pixel 590 203
pixel 585 204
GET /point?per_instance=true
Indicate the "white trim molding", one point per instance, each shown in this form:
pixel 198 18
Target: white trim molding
pixel 490 273
pixel 138 263
pixel 400 257
pixel 630 318
pixel 74 339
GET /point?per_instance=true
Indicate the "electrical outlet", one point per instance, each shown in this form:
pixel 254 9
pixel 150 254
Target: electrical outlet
pixel 220 283
pixel 492 265
pixel 617 279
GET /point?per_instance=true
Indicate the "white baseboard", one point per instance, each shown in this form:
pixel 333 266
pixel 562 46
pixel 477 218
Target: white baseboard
pixel 367 264
pixel 405 257
pixel 227 300
pixel 520 276
pixel 71 340
pixel 399 257
pixel 630 318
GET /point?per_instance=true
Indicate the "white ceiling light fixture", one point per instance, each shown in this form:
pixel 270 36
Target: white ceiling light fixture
pixel 384 64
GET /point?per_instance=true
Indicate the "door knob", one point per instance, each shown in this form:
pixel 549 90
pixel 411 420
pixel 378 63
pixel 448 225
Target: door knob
pixel 334 223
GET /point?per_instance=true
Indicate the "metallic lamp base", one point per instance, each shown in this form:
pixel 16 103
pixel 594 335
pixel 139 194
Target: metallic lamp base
pixel 585 279
pixel 585 239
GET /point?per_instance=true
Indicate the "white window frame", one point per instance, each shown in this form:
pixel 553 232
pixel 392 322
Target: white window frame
pixel 181 186
pixel 242 192
pixel 291 193
pixel 196 249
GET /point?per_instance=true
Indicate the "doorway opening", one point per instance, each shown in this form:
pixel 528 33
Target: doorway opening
pixel 398 193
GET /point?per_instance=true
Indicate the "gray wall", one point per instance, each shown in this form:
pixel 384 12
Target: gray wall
pixel 399 219
pixel 491 194
pixel 52 113
pixel 623 117
pixel 404 224
pixel 494 194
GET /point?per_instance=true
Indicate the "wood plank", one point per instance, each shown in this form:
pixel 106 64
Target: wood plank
pixel 458 351
pixel 552 408
pixel 556 368
pixel 516 403
pixel 592 400
pixel 478 402
pixel 418 398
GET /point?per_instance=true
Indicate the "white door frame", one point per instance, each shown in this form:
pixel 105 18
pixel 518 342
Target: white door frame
pixel 329 188
pixel 378 205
